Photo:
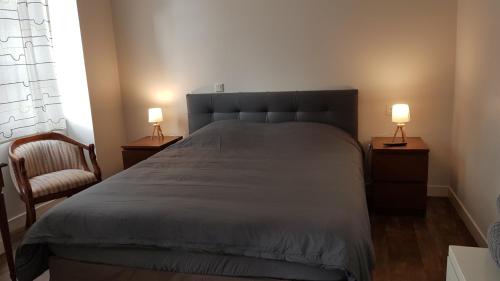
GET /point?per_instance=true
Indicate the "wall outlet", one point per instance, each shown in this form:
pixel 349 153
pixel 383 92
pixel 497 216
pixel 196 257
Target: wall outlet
pixel 219 87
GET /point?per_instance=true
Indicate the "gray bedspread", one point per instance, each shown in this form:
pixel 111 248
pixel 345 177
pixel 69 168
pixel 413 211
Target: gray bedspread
pixel 286 191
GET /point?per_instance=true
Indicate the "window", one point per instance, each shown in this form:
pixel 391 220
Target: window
pixel 29 97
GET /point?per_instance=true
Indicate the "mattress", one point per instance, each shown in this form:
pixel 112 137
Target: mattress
pixel 281 193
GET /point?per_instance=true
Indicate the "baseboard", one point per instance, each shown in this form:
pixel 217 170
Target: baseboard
pixel 470 223
pixel 438 191
pixel 17 223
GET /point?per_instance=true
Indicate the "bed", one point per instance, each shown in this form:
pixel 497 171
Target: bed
pixel 267 186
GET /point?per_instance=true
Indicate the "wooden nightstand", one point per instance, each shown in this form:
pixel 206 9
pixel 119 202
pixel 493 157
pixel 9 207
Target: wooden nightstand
pixel 146 147
pixel 399 176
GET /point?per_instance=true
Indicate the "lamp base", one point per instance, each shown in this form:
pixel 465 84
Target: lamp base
pixel 157 130
pixel 395 143
pixel 400 127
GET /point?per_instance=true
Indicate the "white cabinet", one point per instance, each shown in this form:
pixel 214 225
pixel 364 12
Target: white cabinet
pixel 471 264
pixel 450 272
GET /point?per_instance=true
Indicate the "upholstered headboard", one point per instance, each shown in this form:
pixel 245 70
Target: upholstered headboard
pixel 334 107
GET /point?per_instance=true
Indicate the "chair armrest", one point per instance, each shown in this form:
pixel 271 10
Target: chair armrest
pixel 93 159
pixel 1 176
pixel 21 175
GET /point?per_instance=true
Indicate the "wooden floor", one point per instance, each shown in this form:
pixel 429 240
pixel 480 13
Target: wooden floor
pixel 406 248
pixel 413 248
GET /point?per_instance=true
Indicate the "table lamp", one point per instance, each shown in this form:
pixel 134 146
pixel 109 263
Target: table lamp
pixel 400 116
pixel 155 117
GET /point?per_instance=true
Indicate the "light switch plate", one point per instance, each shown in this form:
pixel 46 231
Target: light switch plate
pixel 388 110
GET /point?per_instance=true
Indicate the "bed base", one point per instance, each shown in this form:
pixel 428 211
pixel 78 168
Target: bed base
pixel 64 270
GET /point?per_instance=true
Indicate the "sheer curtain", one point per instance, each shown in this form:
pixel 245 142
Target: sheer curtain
pixel 29 98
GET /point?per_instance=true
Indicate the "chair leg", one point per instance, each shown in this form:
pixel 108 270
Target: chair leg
pixel 30 215
pixel 28 220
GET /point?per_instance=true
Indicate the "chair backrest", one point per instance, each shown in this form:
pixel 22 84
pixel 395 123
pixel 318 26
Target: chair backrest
pixel 47 156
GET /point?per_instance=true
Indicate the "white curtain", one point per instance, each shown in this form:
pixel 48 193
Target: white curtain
pixel 29 98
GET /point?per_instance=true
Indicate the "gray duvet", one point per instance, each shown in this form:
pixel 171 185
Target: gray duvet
pixel 289 192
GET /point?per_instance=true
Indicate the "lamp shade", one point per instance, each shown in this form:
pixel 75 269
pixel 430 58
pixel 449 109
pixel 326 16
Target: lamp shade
pixel 400 113
pixel 155 115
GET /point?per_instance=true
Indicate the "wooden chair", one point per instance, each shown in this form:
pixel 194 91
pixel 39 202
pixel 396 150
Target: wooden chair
pixel 4 229
pixel 48 166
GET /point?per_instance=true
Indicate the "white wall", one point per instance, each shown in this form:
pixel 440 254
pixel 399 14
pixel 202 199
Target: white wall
pixel 391 50
pixel 476 118
pixel 103 82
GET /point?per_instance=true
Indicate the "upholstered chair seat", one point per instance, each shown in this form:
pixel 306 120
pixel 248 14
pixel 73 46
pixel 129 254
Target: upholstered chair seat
pixel 50 166
pixel 60 181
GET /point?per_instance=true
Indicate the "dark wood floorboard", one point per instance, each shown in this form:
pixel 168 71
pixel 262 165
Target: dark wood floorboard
pixel 4 269
pixel 415 248
pixel 407 248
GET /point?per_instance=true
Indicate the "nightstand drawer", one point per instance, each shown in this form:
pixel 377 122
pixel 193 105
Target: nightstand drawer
pixel 400 196
pixel 141 149
pixel 132 157
pixel 405 167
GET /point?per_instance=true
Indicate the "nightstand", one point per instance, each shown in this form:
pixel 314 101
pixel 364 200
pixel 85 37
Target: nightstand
pixel 146 147
pixel 399 176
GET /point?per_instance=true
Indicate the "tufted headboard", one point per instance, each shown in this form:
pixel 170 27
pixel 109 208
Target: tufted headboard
pixel 335 107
